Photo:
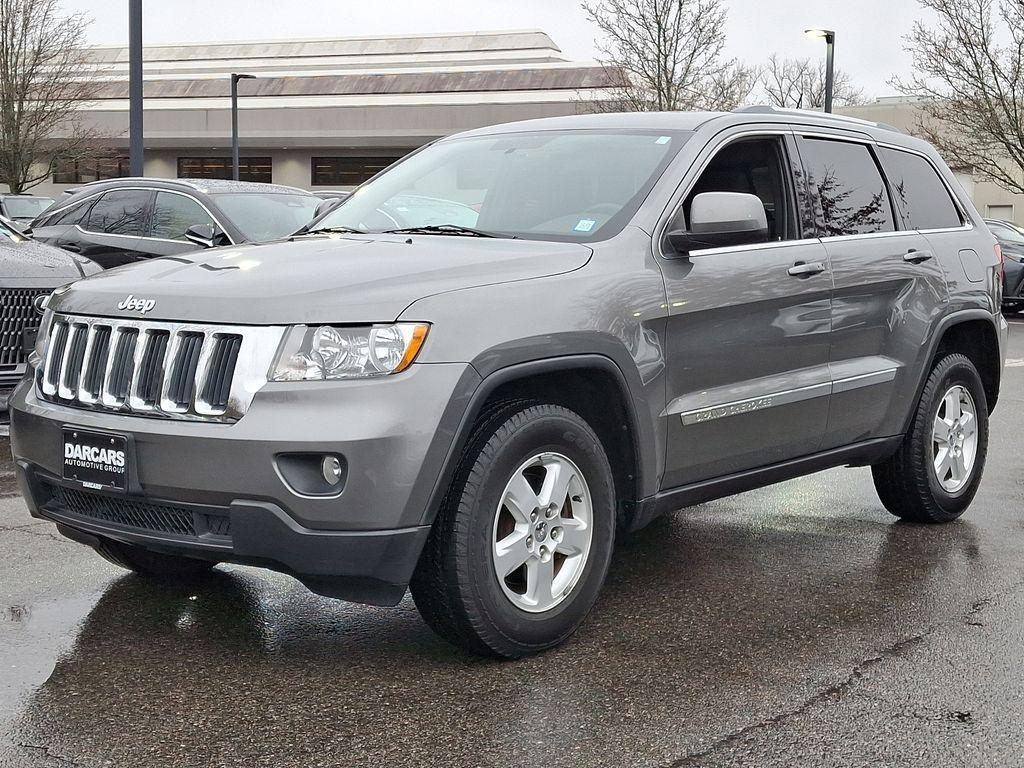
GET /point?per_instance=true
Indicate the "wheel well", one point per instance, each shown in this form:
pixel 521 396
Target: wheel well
pixel 976 339
pixel 596 395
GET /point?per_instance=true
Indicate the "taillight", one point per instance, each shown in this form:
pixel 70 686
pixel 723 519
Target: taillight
pixel 1002 264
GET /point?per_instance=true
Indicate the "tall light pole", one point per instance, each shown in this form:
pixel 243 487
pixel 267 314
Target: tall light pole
pixel 830 49
pixel 135 147
pixel 234 121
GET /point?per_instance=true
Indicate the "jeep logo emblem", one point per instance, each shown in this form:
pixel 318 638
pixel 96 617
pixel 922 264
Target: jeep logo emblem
pixel 130 303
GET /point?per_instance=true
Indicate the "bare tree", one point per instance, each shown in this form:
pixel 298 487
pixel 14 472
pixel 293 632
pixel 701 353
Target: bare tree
pixel 41 87
pixel 667 55
pixel 800 84
pixel 970 86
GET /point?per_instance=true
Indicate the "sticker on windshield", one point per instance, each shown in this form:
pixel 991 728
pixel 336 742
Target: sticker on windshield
pixel 584 225
pixel 663 140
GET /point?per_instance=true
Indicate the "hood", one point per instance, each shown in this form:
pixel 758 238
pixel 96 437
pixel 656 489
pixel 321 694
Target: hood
pixel 324 279
pixel 32 260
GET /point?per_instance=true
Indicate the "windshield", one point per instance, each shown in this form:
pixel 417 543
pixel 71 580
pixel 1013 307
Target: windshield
pixel 1007 233
pixel 7 232
pixel 550 185
pixel 26 207
pixel 262 216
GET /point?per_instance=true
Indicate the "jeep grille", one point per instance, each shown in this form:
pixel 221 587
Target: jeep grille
pixel 153 368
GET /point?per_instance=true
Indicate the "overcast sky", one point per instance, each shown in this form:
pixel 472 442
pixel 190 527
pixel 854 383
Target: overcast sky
pixel 869 33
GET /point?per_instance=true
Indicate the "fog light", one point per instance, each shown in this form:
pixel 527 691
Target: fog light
pixel 331 469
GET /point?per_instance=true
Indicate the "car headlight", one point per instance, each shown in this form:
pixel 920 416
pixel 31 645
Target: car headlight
pixel 326 352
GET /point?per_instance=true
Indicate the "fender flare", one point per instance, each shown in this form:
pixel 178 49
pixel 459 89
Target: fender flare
pixel 642 431
pixel 947 322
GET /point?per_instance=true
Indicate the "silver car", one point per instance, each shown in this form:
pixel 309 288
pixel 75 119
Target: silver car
pixel 632 314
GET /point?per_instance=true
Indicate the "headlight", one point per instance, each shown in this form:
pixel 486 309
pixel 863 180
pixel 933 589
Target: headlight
pixel 321 353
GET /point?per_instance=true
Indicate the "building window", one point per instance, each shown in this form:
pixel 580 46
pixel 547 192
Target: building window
pixel 1003 212
pixel 93 169
pixel 249 168
pixel 347 171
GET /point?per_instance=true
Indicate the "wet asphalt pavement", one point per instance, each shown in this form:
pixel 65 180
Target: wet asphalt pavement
pixel 799 625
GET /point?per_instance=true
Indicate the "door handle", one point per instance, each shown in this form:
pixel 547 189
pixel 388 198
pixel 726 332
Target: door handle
pixel 806 269
pixel 915 256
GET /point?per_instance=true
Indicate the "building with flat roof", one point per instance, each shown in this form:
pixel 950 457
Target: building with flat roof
pixel 324 113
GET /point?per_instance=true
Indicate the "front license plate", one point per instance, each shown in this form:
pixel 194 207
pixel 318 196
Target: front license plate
pixel 96 459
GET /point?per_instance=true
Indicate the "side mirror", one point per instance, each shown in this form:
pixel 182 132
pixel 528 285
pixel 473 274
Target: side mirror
pixel 719 219
pixel 327 205
pixel 203 235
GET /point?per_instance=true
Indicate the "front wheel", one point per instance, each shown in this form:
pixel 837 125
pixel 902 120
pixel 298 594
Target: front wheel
pixel 522 543
pixel 935 474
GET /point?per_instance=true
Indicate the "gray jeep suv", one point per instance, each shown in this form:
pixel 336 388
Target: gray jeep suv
pixel 632 314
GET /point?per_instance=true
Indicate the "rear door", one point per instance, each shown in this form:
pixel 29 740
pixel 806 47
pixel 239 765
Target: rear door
pixel 889 285
pixel 748 327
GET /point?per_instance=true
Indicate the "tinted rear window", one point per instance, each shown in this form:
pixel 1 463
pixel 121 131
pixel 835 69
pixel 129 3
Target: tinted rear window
pixel 121 212
pixel 845 179
pixel 920 193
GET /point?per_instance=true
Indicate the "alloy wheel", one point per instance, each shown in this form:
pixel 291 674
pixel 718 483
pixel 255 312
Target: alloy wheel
pixel 542 532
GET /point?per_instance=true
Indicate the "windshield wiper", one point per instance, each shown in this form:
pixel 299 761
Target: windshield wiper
pixel 326 230
pixel 444 229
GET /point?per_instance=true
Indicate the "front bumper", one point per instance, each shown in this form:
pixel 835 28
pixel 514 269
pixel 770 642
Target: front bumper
pixel 361 544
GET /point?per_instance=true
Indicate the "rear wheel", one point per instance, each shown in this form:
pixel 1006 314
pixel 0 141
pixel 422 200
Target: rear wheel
pixel 522 544
pixel 935 474
pixel 151 564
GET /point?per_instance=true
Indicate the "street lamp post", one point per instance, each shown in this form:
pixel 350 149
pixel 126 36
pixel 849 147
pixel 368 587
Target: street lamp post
pixel 234 121
pixel 135 146
pixel 830 48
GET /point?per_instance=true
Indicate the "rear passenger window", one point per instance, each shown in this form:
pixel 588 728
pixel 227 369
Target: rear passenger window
pixel 120 212
pixel 844 178
pixel 919 191
pixel 73 215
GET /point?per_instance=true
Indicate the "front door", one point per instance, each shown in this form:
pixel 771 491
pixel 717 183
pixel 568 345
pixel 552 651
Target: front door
pixel 749 326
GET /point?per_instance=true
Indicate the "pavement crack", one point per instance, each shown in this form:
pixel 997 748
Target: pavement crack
pixel 840 688
pixel 48 753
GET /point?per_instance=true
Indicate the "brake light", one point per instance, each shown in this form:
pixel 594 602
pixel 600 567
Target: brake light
pixel 1002 264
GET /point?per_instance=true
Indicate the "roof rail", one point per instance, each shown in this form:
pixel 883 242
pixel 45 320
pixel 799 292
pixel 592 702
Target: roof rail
pixel 186 182
pixel 767 109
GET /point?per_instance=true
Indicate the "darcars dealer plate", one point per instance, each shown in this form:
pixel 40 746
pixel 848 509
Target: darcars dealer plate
pixel 96 459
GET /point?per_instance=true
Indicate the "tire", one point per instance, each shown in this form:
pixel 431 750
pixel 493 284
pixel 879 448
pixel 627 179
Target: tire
pixel 154 565
pixel 456 586
pixel 908 483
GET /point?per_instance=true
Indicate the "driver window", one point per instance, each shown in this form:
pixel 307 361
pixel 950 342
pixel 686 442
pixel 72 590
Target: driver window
pixel 757 167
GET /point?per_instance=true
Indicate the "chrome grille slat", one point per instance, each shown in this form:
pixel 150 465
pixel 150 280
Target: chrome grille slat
pixel 155 368
pixel 54 356
pixel 97 350
pixel 71 366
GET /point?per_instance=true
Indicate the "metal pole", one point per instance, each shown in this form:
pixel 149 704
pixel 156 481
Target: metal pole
pixel 135 144
pixel 234 127
pixel 830 47
pixel 235 77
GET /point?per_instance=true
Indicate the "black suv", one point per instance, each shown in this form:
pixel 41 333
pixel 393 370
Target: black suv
pixel 124 220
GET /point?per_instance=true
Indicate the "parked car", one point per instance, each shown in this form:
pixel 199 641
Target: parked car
pixel 124 220
pixel 29 271
pixel 646 311
pixel 22 209
pixel 1011 241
